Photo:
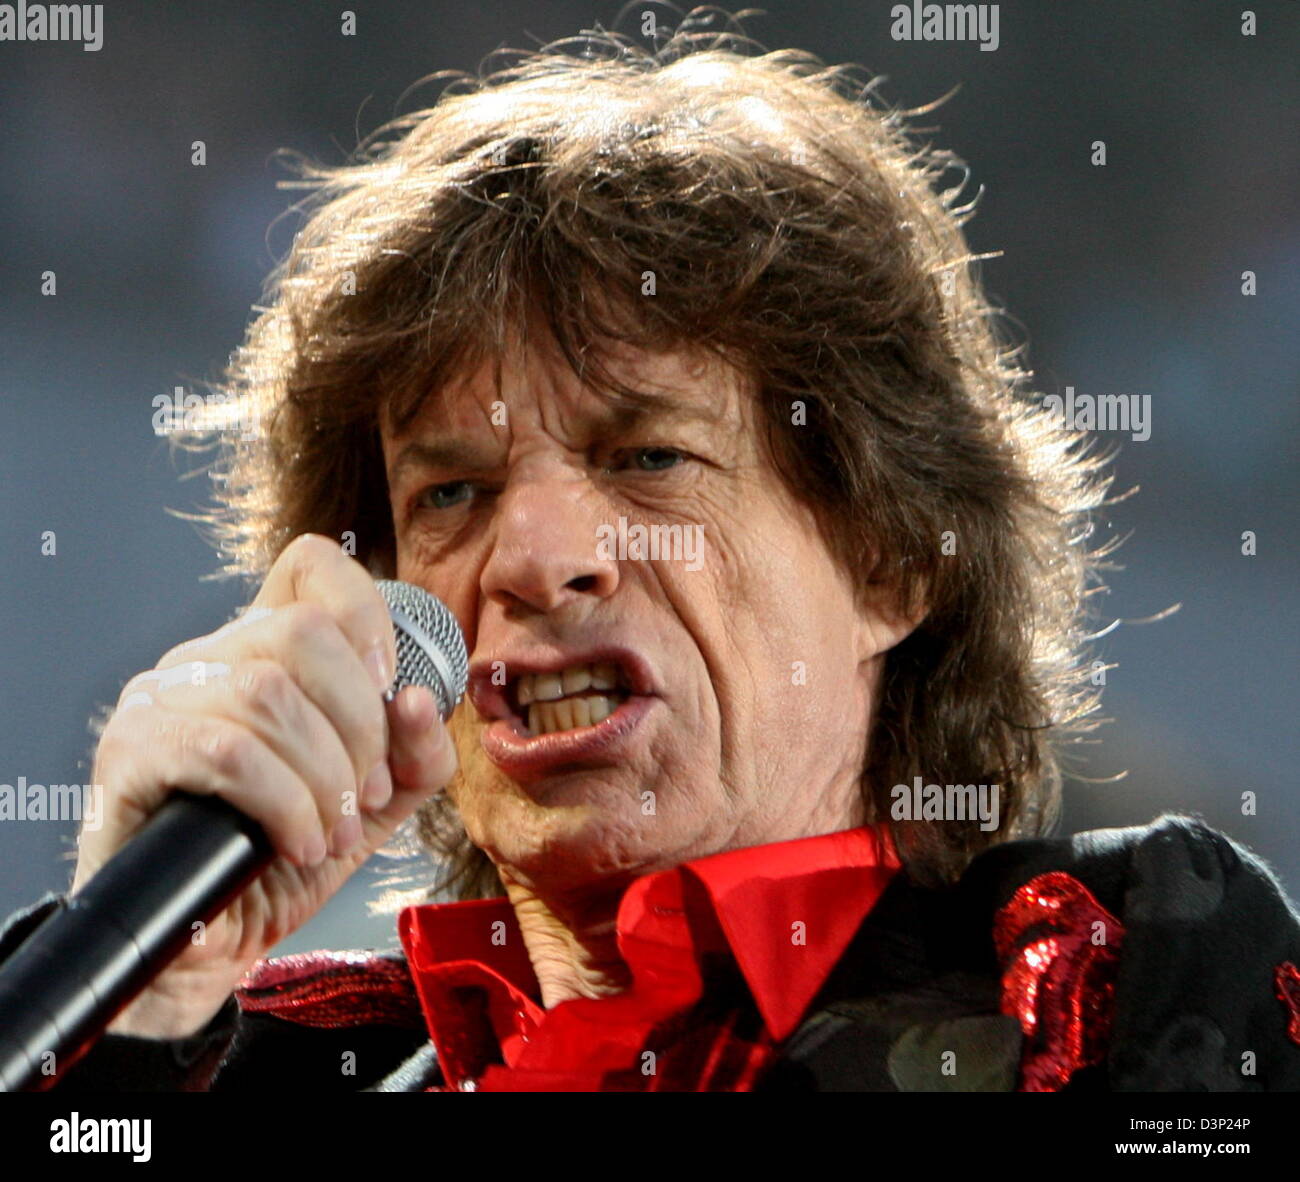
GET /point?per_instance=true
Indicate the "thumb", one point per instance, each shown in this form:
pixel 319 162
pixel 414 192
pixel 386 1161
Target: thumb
pixel 421 755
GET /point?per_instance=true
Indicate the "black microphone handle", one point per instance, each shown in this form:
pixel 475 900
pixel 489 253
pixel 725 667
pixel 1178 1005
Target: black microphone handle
pixel 79 969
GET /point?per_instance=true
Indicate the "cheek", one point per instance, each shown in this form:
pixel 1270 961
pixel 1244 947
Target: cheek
pixel 453 579
pixel 789 619
pixel 747 634
pixel 472 787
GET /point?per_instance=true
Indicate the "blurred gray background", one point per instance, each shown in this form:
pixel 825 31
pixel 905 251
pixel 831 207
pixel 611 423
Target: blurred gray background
pixel 1123 279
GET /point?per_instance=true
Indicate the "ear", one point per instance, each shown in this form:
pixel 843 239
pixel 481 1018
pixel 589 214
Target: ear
pixel 886 618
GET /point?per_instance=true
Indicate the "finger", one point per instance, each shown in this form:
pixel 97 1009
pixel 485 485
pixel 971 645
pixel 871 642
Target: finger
pixel 262 697
pixel 145 752
pixel 308 643
pixel 314 569
pixel 421 754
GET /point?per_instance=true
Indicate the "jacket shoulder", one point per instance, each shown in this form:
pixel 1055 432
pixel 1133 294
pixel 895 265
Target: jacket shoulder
pixel 1160 957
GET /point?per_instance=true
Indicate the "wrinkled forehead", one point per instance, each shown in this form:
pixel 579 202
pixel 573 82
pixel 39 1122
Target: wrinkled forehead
pixel 533 383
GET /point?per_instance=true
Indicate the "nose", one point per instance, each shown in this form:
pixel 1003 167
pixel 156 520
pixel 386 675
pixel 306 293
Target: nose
pixel 546 553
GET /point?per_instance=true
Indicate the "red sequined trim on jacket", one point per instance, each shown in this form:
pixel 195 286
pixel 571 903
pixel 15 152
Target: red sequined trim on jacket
pixel 332 989
pixel 1286 982
pixel 1058 978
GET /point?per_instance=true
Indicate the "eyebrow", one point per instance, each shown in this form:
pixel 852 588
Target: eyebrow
pixel 462 455
pixel 443 454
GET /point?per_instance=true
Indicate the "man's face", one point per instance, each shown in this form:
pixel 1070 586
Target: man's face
pixel 715 683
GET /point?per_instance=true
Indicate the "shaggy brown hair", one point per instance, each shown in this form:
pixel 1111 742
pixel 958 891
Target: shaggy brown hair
pixel 782 219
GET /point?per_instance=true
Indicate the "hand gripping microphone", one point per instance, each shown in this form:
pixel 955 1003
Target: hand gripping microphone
pixel 70 978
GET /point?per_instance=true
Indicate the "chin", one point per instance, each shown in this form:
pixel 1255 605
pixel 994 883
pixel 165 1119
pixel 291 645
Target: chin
pixel 578 846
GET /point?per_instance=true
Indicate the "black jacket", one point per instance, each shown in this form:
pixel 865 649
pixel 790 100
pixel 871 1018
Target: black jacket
pixel 1158 958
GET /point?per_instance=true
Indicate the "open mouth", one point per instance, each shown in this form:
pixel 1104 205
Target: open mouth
pixel 563 710
pixel 570 699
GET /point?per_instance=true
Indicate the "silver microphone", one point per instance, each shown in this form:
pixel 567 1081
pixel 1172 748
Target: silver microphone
pixel 430 646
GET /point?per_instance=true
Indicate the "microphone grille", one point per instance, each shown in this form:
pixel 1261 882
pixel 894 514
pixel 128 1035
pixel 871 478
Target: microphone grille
pixel 430 647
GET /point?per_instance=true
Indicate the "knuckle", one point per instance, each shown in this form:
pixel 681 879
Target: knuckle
pixel 265 688
pixel 307 623
pixel 308 550
pixel 228 750
pixel 365 617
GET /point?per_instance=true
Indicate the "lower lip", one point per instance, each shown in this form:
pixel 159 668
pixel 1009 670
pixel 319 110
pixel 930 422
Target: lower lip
pixel 528 757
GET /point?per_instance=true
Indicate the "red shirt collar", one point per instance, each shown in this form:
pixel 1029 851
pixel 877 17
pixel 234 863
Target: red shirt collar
pixel 785 911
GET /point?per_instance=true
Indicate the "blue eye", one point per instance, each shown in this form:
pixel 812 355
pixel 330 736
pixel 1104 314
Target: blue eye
pixel 657 459
pixel 444 496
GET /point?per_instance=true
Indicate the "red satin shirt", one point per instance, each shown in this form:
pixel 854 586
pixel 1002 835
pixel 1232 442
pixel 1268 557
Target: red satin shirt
pixel 726 953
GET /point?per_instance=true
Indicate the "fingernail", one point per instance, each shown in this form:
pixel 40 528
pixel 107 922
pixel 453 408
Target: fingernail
pixel 314 851
pixel 380 673
pixel 377 788
pixel 415 704
pixel 347 835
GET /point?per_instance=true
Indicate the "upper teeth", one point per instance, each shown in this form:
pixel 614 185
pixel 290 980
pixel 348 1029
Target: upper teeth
pixel 550 687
